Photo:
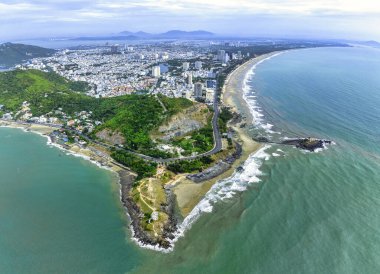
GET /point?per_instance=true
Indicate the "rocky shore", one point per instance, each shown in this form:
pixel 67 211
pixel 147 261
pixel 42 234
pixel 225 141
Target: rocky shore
pixel 136 216
pixel 309 144
pixel 219 168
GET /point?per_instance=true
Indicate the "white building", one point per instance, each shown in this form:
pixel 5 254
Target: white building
pixel 165 56
pixel 156 71
pixel 210 95
pixel 226 58
pixel 190 79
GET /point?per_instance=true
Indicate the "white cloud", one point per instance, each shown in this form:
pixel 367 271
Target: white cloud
pixel 152 15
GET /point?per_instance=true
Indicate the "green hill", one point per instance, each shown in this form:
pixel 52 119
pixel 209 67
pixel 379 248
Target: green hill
pixel 13 54
pixel 134 116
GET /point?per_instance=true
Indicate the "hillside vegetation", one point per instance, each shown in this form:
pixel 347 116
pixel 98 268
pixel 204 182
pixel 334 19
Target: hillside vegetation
pixel 12 54
pixel 134 116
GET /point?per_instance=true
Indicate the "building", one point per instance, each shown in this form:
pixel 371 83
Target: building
pixel 198 65
pixel 186 66
pixel 221 55
pixel 239 55
pixel 114 49
pixel 164 56
pixel 226 58
pixel 210 95
pixel 140 57
pixel 198 90
pixel 156 71
pixel 211 84
pixel 211 74
pixel 190 79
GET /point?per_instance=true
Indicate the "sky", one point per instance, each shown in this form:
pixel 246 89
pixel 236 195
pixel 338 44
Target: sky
pixel 350 19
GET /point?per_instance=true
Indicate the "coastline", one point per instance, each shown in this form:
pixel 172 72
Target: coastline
pixel 189 194
pixel 193 199
pixel 92 154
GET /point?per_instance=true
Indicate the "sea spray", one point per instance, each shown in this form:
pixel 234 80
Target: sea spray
pixel 249 95
pixel 226 189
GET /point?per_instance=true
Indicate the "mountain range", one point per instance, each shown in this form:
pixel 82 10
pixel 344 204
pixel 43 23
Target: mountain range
pixel 172 34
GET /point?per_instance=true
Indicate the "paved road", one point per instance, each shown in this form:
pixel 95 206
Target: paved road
pixel 217 139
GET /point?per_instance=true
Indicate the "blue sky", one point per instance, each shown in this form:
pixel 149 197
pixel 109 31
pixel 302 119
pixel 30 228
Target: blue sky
pixel 357 19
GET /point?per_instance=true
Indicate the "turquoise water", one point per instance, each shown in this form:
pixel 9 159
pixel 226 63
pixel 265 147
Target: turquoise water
pixel 300 212
pixel 58 213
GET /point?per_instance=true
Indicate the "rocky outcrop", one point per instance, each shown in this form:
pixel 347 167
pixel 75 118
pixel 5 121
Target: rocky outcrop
pixel 136 216
pixel 310 144
pixel 190 119
pixel 113 137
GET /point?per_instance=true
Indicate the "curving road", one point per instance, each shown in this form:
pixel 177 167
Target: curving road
pixel 217 139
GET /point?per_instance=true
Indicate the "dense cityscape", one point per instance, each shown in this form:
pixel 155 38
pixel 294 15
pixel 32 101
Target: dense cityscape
pixel 174 70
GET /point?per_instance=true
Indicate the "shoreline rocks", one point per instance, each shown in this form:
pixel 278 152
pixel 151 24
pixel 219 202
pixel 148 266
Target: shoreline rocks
pixel 136 216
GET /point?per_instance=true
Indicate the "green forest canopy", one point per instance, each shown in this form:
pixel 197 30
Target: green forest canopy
pixel 132 115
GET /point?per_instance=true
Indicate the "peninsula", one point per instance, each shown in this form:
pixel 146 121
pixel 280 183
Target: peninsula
pixel 168 139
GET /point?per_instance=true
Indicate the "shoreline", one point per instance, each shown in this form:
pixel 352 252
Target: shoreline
pixel 91 153
pixel 190 194
pixel 125 179
pixel 193 199
pixel 186 194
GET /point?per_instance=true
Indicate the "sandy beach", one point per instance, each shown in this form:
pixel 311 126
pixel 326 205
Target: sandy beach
pixel 189 193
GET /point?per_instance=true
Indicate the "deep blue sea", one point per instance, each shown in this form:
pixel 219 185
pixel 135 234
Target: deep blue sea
pixel 290 211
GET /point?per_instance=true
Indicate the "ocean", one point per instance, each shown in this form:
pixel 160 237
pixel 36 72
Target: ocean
pixel 289 211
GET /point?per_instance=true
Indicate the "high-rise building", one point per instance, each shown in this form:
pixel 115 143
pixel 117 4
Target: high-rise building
pixel 239 55
pixel 114 49
pixel 186 66
pixel 198 90
pixel 190 79
pixel 198 65
pixel 221 55
pixel 226 58
pixel 156 71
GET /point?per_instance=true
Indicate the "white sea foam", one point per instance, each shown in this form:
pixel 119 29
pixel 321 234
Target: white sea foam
pixel 222 190
pixel 249 95
pixel 238 182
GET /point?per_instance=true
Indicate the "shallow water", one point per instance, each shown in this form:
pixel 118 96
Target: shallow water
pixel 58 213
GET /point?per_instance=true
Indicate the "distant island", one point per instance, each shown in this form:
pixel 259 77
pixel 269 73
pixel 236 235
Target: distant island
pixel 12 54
